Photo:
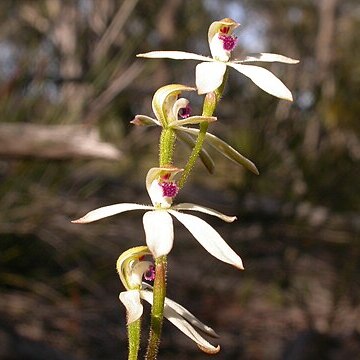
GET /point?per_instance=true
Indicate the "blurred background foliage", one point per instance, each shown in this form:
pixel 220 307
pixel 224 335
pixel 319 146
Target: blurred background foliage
pixel 69 86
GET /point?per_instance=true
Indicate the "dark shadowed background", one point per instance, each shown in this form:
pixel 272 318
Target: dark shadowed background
pixel 69 86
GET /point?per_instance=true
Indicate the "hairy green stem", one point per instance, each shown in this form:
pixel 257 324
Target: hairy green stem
pixel 167 145
pixel 134 330
pixel 194 154
pixel 210 102
pixel 157 310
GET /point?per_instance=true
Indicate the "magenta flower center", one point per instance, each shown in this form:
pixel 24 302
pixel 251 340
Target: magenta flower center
pixel 170 189
pixel 150 273
pixel 229 41
pixel 185 112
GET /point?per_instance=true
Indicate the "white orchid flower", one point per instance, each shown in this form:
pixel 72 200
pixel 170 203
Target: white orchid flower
pixel 158 223
pixel 210 72
pixel 167 108
pixel 132 268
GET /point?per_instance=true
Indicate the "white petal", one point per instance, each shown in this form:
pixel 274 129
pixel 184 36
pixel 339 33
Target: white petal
pixel 177 320
pixel 209 76
pixel 205 210
pixel 209 238
pixel 176 55
pixel 267 57
pixel 159 231
pixel 264 79
pixel 110 210
pixel 134 308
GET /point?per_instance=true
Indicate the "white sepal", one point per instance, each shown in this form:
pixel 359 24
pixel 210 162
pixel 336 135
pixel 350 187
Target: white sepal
pixel 184 326
pixel 223 148
pixel 107 211
pixel 176 55
pixel 192 319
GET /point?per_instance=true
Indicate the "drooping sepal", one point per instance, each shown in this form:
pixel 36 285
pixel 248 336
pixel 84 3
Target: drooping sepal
pixel 185 322
pixel 132 303
pixel 203 155
pixel 223 148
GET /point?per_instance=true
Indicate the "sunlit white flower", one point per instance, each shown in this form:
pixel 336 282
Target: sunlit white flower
pixel 132 267
pixel 210 72
pixel 158 223
pixel 173 112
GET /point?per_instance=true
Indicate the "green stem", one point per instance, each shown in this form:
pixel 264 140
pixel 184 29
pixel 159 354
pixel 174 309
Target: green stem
pixel 210 102
pixel 157 310
pixel 167 145
pixel 134 330
pixel 194 154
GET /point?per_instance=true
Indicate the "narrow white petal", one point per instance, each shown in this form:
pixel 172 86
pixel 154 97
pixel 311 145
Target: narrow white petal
pixel 159 231
pixel 192 319
pixel 264 79
pixel 134 308
pixel 177 320
pixel 205 210
pixel 110 210
pixel 267 57
pixel 209 76
pixel 209 238
pixel 176 55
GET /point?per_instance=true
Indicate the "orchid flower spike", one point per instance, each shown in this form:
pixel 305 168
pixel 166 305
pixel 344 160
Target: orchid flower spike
pixel 172 111
pixel 132 268
pixel 158 223
pixel 210 72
